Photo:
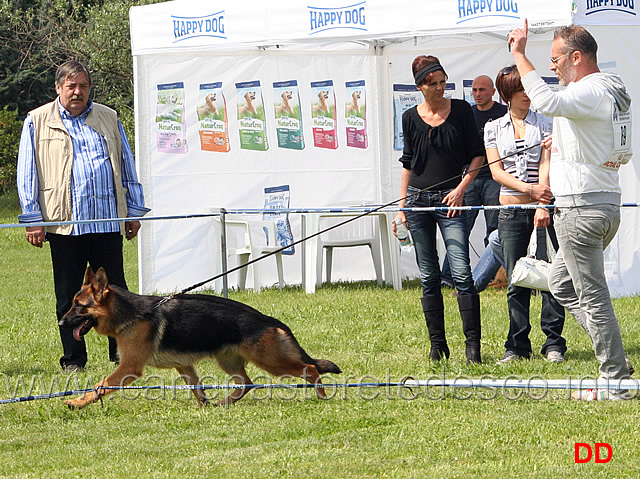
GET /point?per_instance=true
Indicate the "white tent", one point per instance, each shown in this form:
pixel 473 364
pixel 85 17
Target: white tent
pixel 186 49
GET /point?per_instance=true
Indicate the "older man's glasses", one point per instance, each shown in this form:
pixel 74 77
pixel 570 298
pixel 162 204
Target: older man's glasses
pixel 557 59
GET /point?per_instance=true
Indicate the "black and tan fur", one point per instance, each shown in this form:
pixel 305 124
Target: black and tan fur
pixel 180 332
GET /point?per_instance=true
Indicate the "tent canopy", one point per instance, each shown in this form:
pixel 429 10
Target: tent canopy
pixel 185 48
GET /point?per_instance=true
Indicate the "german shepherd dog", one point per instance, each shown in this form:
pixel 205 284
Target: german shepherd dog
pixel 180 332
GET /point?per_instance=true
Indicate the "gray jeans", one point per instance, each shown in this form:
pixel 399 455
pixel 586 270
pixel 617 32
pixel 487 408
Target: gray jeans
pixel 577 279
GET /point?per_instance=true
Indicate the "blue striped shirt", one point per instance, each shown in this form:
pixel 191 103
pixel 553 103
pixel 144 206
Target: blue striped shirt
pixel 92 189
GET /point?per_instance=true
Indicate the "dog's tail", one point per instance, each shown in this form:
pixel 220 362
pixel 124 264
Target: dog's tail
pixel 326 366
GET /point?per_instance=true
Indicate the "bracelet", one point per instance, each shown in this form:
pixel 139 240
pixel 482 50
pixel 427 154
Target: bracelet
pixel 531 192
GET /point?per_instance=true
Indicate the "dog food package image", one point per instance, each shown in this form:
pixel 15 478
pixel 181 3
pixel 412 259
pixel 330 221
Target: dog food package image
pixel 288 116
pixel 212 118
pixel 323 114
pixel 170 121
pixel 276 198
pixel 355 113
pixel 404 97
pixel 251 116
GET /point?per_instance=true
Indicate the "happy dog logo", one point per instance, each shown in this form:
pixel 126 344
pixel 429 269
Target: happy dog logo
pixel 324 18
pixel 192 27
pixel 622 6
pixel 473 9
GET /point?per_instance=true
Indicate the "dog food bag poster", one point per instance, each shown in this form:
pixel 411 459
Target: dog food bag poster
pixel 450 90
pixel 251 117
pixel 323 114
pixel 276 198
pixel 404 97
pixel 170 119
pixel 467 92
pixel 355 114
pixel 212 118
pixel 288 117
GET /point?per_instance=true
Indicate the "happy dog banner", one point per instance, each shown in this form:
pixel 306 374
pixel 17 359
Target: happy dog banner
pixel 355 112
pixel 323 114
pixel 288 116
pixel 212 118
pixel 253 135
pixel 171 128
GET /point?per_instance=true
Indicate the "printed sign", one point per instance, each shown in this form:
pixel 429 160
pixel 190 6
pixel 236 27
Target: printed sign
pixel 212 117
pixel 251 116
pixel 323 114
pixel 277 198
pixel 355 112
pixel 171 127
pixel 288 116
pixel 404 97
pixel 467 91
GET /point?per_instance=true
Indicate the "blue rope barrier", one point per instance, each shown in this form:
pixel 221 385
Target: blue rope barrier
pixel 536 383
pixel 255 211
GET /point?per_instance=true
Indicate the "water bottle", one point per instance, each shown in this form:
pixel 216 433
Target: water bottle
pixel 403 235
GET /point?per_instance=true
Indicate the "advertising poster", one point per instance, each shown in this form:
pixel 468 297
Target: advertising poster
pixel 171 127
pixel 404 97
pixel 467 87
pixel 288 116
pixel 355 113
pixel 251 116
pixel 212 118
pixel 276 199
pixel 449 91
pixel 323 114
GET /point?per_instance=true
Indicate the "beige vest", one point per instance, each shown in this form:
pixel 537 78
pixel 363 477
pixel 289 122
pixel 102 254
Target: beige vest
pixel 54 157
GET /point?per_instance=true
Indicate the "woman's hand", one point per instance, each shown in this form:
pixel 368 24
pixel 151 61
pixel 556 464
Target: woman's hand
pixel 541 219
pixel 454 198
pixel 402 217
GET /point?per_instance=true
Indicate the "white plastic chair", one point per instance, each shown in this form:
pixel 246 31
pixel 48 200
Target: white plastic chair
pixel 361 232
pixel 248 241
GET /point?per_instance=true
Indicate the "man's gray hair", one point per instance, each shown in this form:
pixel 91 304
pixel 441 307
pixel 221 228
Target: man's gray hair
pixel 577 38
pixel 71 69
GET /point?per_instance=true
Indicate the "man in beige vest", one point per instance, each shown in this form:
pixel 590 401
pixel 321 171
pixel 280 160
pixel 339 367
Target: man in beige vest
pixel 75 164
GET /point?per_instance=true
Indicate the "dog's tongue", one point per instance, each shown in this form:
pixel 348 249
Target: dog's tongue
pixel 76 332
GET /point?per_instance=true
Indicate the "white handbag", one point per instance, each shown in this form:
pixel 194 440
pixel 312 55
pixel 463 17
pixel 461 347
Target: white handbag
pixel 531 272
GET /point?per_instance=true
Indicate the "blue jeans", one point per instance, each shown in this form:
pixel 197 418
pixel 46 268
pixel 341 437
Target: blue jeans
pixel 482 191
pixel 423 231
pixel 515 227
pixel 578 280
pixel 490 262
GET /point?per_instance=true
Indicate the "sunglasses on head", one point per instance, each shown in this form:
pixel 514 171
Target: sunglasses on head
pixel 507 70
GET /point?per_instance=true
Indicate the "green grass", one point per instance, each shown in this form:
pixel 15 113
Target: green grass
pixel 372 333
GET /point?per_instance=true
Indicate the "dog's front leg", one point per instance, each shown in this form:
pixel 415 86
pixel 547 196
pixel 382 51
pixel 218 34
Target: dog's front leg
pixel 122 376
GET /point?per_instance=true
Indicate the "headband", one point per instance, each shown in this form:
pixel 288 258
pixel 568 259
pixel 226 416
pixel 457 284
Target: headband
pixel 420 75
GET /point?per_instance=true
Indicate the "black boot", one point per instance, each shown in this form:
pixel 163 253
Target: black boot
pixel 433 309
pixel 469 306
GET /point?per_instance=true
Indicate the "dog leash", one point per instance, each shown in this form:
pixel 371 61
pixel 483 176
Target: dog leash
pixel 165 299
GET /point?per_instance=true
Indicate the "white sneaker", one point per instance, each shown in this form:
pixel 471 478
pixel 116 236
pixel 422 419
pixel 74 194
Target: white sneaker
pixel 601 395
pixel 555 357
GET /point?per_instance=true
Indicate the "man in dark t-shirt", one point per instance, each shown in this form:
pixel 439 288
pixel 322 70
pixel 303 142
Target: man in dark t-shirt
pixel 484 190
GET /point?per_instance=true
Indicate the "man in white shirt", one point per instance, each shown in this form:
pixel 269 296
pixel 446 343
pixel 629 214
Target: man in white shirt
pixel 591 139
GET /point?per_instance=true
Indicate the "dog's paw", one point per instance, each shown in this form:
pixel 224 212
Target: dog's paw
pixel 75 403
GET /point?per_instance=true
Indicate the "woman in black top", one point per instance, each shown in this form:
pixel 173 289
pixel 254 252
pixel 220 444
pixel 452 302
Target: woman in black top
pixel 440 141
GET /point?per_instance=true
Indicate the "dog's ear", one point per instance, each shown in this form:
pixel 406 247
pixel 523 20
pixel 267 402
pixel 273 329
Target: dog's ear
pixel 100 283
pixel 88 276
